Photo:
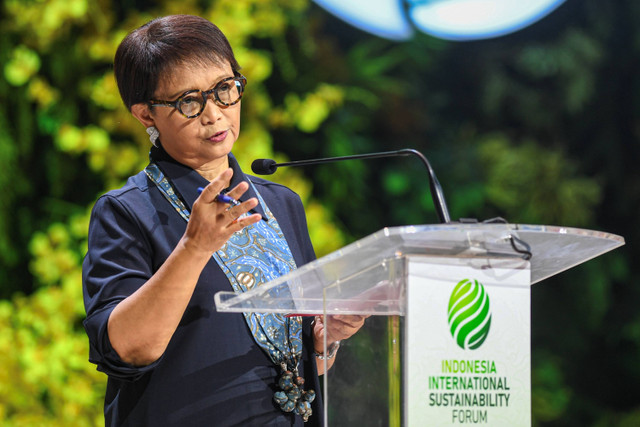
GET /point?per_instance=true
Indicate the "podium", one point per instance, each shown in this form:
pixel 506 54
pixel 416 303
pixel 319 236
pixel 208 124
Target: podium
pixel 448 337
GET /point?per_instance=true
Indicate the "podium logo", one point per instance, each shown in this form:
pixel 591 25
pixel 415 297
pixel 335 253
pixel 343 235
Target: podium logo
pixel 469 314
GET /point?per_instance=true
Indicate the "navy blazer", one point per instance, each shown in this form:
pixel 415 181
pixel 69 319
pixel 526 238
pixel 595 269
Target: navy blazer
pixel 212 372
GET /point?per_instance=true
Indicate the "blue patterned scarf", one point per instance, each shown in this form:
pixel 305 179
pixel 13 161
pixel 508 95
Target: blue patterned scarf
pixel 253 256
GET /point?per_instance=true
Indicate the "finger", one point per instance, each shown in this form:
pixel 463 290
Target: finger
pixel 210 192
pixel 352 320
pixel 359 319
pixel 240 223
pixel 237 211
pixel 238 190
pixel 340 326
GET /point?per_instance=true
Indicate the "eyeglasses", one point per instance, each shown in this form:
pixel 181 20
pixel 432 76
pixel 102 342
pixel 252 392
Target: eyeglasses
pixel 192 103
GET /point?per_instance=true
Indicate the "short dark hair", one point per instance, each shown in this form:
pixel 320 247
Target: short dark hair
pixel 152 50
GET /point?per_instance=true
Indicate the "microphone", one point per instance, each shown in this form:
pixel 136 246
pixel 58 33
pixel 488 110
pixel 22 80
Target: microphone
pixel 269 166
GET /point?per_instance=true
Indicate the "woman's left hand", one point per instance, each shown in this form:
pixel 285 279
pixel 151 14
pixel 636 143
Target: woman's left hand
pixel 336 328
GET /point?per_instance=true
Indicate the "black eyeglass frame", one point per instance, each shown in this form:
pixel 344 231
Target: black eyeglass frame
pixel 240 81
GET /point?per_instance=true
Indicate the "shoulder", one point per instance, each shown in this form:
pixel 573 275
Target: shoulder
pixel 131 198
pixel 123 217
pixel 136 184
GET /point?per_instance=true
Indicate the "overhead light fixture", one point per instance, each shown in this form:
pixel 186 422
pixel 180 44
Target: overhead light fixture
pixel 446 19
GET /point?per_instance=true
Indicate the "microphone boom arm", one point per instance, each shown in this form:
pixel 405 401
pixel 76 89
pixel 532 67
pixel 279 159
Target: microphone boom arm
pixel 268 167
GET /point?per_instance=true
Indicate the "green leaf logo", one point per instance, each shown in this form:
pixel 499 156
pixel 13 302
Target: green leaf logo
pixel 469 314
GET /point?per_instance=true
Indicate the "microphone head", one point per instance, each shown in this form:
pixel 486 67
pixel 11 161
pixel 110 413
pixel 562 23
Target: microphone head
pixel 264 166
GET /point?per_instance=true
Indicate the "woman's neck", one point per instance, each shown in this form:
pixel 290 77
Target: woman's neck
pixel 211 170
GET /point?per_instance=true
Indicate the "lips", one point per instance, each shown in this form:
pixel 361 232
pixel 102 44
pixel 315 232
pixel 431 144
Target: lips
pixel 219 137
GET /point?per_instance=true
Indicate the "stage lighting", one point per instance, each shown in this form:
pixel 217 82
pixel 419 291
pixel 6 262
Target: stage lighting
pixel 446 19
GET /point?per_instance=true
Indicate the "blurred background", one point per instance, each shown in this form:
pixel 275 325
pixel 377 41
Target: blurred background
pixel 537 126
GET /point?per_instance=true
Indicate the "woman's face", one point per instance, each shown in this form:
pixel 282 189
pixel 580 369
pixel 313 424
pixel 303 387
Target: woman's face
pixel 202 142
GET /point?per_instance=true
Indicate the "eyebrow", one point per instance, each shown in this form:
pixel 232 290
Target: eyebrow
pixel 178 94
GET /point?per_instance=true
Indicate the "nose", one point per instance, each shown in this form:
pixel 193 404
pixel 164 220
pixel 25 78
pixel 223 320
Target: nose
pixel 212 111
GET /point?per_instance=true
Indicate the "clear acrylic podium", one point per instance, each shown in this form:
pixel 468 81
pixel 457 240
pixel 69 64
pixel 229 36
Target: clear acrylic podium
pixel 448 340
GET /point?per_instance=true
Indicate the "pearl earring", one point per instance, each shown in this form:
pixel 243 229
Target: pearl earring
pixel 153 134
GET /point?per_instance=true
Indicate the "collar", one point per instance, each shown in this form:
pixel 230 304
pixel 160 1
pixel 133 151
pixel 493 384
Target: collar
pixel 186 180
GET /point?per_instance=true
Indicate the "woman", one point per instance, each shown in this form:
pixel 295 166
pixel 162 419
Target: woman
pixel 161 246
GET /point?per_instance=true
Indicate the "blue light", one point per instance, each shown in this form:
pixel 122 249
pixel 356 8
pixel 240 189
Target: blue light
pixel 477 19
pixel 447 19
pixel 384 18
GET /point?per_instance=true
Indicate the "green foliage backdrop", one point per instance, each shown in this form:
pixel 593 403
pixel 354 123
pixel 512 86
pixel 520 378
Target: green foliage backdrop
pixel 540 126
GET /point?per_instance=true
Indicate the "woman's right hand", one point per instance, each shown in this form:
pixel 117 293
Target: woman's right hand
pixel 141 326
pixel 212 223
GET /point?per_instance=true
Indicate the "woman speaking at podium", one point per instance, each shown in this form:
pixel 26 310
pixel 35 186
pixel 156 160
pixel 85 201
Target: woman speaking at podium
pixel 187 226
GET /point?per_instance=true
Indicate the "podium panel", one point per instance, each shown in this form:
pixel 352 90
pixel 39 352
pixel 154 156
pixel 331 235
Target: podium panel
pixel 467 350
pixel 460 355
pixel 448 340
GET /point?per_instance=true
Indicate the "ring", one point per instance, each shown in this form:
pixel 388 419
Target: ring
pixel 234 218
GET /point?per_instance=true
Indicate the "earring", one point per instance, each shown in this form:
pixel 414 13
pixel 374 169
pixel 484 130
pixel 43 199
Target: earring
pixel 153 134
